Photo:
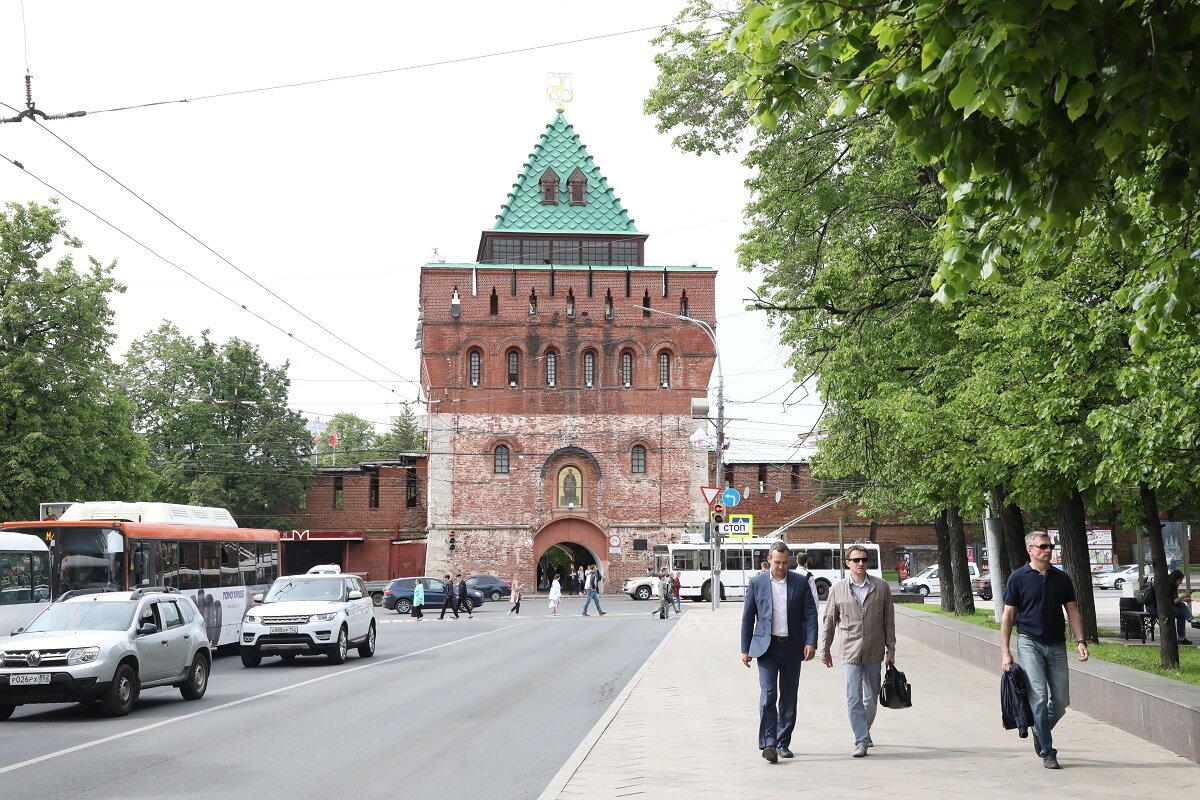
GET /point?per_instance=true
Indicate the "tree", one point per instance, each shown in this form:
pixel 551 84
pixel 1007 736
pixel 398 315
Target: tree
pixel 355 440
pixel 216 421
pixel 405 436
pixel 65 427
pixel 1043 118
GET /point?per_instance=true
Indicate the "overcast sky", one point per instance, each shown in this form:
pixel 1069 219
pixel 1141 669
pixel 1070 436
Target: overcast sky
pixel 333 195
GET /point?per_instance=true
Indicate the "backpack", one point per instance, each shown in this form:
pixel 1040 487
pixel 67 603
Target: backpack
pixel 1147 597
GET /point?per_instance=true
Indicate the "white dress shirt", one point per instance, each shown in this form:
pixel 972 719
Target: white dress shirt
pixel 779 626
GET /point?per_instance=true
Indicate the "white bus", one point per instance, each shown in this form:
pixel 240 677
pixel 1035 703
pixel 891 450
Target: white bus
pixel 24 579
pixel 741 560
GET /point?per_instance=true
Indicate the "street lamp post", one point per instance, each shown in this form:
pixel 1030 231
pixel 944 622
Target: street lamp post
pixel 715 538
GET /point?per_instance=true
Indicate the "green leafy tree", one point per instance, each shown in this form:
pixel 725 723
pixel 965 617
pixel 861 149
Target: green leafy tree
pixel 65 428
pixel 355 438
pixel 217 424
pixel 405 435
pixel 1043 118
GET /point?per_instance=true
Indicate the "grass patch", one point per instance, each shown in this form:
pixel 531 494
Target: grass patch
pixel 891 577
pixel 1138 656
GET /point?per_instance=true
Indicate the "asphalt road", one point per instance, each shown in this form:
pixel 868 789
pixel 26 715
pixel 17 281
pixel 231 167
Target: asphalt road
pixel 482 708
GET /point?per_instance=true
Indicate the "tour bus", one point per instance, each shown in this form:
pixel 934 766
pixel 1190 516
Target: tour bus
pixel 24 579
pixel 741 559
pixel 199 550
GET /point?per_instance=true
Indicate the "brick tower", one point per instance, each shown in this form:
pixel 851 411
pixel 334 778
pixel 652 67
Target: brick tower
pixel 560 409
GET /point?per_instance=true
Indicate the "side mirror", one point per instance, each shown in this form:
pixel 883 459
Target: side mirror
pixel 258 598
pixel 15 631
pixel 355 594
pixel 147 628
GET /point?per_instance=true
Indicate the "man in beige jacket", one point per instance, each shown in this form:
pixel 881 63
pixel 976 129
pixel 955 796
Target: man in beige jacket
pixel 859 608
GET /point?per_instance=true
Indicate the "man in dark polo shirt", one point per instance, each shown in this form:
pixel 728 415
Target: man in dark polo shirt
pixel 1034 599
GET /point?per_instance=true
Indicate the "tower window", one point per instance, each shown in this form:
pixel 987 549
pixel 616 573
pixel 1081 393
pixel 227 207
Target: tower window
pixel 608 308
pixel 638 460
pixel 664 369
pixel 626 369
pixel 646 304
pixel 494 303
pixel 570 304
pixel 500 460
pixel 551 368
pixel 683 304
pixel 589 369
pixel 474 359
pixel 533 303
pixel 514 366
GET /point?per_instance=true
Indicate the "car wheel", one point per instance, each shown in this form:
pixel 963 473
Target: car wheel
pixel 377 599
pixel 403 606
pixel 495 595
pixel 1118 583
pixel 924 591
pixel 469 604
pixel 367 648
pixel 251 658
pixel 338 654
pixel 6 711
pixel 122 693
pixel 706 592
pixel 643 593
pixel 197 679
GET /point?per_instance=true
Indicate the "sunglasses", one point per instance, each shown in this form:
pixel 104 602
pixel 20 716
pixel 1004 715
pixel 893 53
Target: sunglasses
pixel 857 560
pixel 1043 546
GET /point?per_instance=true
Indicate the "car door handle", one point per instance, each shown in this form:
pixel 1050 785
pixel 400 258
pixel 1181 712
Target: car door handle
pixel 165 643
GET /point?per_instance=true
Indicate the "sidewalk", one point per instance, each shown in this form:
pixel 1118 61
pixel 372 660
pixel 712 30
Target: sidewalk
pixel 951 741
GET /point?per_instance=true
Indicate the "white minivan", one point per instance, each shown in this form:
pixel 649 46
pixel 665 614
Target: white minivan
pixel 926 581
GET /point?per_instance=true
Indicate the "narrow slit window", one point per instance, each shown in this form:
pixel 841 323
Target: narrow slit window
pixel 533 303
pixel 683 305
pixel 664 370
pixel 626 369
pixel 646 304
pixel 494 303
pixel 589 369
pixel 570 304
pixel 608 307
pixel 514 364
pixel 551 368
pixel 475 367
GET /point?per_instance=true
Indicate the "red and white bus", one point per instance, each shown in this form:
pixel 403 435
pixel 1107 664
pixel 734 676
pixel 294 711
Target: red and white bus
pixel 199 550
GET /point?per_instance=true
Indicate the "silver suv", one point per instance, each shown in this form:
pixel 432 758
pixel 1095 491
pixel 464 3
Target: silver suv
pixel 309 615
pixel 106 646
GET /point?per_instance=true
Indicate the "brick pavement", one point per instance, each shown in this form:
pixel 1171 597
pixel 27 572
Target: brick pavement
pixel 949 744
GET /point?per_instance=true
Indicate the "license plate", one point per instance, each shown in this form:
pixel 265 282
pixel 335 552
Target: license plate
pixel 285 629
pixel 29 680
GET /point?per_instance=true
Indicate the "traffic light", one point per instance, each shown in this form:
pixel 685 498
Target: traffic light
pixel 453 542
pixel 718 519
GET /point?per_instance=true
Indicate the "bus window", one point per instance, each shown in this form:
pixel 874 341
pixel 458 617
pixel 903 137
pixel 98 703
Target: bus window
pixel 246 559
pixel 821 558
pixel 189 565
pixel 24 577
pixel 210 565
pixel 229 564
pixel 704 559
pixel 760 555
pixel 685 559
pixel 86 559
pixel 141 563
pixel 166 563
pixel 268 564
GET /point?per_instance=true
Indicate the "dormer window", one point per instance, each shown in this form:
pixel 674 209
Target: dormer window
pixel 577 185
pixel 549 187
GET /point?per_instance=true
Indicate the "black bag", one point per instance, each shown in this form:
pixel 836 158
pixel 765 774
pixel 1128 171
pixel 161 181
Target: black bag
pixel 1147 597
pixel 895 691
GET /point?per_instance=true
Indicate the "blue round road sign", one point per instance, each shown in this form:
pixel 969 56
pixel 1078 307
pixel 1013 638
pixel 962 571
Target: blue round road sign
pixel 731 497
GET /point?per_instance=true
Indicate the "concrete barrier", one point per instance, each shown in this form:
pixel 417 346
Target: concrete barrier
pixel 1159 710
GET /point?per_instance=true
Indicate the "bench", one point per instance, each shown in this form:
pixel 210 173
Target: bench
pixel 1138 624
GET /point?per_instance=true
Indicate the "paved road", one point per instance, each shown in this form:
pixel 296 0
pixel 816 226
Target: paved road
pixel 489 707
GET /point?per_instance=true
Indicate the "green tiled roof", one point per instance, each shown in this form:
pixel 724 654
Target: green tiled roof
pixel 560 149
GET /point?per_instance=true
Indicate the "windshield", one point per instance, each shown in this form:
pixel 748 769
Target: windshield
pixel 287 589
pixel 88 615
pixel 89 558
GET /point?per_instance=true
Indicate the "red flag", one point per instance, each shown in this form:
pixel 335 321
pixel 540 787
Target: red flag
pixel 333 439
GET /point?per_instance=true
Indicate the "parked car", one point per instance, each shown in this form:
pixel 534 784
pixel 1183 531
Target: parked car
pixel 983 586
pixel 398 596
pixel 106 646
pixel 1117 578
pixel 643 588
pixel 490 586
pixel 926 581
pixel 320 614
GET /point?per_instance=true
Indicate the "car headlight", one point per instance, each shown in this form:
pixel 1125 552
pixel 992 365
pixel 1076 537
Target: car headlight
pixel 332 615
pixel 251 618
pixel 82 655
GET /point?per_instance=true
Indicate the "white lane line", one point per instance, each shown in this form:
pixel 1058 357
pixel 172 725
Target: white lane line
pixel 232 703
pixel 576 759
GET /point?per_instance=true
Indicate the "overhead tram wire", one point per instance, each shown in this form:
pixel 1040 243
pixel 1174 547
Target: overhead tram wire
pixel 198 280
pixel 410 67
pixel 238 269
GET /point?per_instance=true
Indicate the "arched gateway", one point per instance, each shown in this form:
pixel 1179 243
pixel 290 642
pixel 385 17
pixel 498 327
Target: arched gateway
pixel 582 540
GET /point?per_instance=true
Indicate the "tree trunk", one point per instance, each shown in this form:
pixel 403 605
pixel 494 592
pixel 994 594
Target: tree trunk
pixel 874 535
pixel 999 563
pixel 1072 538
pixel 1168 643
pixel 1014 536
pixel 964 598
pixel 942 528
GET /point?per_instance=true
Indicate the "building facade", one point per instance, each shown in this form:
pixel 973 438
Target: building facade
pixel 559 392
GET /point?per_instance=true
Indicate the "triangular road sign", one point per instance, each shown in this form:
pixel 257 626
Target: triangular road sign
pixel 710 493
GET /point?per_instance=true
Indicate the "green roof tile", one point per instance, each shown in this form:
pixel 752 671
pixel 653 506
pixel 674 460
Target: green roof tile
pixel 560 149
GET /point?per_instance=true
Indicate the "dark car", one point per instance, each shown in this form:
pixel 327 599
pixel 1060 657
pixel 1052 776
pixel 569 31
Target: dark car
pixel 399 593
pixel 490 586
pixel 983 586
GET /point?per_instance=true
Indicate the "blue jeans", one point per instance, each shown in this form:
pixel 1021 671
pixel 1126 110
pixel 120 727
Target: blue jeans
pixel 1045 666
pixel 675 599
pixel 862 698
pixel 1182 614
pixel 592 597
pixel 778 686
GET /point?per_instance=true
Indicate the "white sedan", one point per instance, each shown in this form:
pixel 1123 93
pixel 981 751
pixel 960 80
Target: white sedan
pixel 1117 578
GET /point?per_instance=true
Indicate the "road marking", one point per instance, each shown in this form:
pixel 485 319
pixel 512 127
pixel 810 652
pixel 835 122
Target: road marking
pixel 232 703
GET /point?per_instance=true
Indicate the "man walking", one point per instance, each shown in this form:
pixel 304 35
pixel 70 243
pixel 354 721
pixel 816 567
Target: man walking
pixel 859 608
pixel 1034 599
pixel 591 588
pixel 450 599
pixel 462 597
pixel 779 628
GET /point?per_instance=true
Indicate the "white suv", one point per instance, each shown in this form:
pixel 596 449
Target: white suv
pixel 106 646
pixel 309 615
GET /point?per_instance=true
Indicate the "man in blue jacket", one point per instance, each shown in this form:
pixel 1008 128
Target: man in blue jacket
pixel 779 628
